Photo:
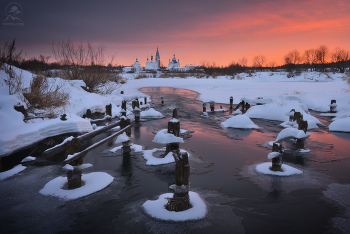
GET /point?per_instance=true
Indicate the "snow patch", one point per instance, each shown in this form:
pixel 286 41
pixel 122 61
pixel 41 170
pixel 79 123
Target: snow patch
pixel 239 121
pixel 264 168
pixel 13 171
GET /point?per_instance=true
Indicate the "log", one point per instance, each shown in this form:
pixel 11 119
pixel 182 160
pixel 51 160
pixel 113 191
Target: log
pixel 82 153
pixel 59 148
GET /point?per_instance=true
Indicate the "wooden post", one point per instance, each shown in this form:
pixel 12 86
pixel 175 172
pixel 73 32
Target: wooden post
pixel 145 100
pixel 277 161
pixel 126 148
pixel 162 100
pixel 231 102
pixel 123 112
pixel 180 200
pixel 333 106
pixel 121 92
pixel 137 113
pixel 302 125
pixel 174 124
pixel 291 117
pixel 297 116
pixel 124 105
pixel 128 131
pixel 74 176
pixel 88 113
pixel 109 109
pixel 243 106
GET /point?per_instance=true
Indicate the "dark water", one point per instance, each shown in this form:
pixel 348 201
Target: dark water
pixel 222 172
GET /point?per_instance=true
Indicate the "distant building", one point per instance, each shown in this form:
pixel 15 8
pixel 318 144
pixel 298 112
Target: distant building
pixel 152 65
pixel 173 64
pixel 137 66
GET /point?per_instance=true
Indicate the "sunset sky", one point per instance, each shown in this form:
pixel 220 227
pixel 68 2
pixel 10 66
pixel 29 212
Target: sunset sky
pixel 195 30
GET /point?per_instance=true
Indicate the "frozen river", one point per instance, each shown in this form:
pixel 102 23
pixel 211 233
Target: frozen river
pixel 222 172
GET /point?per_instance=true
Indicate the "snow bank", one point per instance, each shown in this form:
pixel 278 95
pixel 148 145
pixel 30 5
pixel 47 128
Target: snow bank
pixel 239 121
pixel 151 113
pixel 264 168
pixel 13 171
pixel 163 137
pixel 340 125
pixel 157 210
pixel 291 133
pixel 15 138
pixel 94 182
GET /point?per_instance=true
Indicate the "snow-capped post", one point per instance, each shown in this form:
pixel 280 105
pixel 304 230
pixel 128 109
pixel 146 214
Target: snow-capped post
pixel 243 106
pixel 145 100
pixel 247 106
pixel 109 109
pixel 174 124
pixel 128 131
pixel 124 105
pixel 74 176
pixel 162 100
pixel 212 106
pixel 231 102
pixel 137 113
pixel 204 105
pixel 123 112
pixel 180 200
pixel 133 104
pixel 276 157
pixel 88 113
pixel 333 106
pixel 121 92
pixel 291 115
pixel 126 147
pixel 141 103
pixel 302 125
pixel 297 116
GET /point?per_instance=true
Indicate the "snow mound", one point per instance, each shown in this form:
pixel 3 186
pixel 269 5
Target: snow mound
pixel 94 182
pixel 13 171
pixel 291 133
pixel 340 125
pixel 163 137
pixel 264 168
pixel 157 210
pixel 239 121
pixel 122 138
pixel 237 112
pixel 151 113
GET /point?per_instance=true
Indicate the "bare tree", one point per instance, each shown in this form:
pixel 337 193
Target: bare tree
pixel 292 59
pixel 243 62
pixel 84 62
pixel 340 58
pixel 321 54
pixel 259 61
pixel 8 57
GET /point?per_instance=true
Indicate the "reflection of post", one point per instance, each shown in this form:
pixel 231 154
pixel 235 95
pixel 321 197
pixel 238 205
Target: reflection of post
pixel 137 113
pixel 180 200
pixel 277 161
pixel 204 105
pixel 212 105
pixel 74 176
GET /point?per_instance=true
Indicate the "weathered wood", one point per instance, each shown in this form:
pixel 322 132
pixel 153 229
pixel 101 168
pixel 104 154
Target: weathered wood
pixel 277 161
pixel 58 149
pixel 88 114
pixel 81 153
pixel 109 109
pixel 231 102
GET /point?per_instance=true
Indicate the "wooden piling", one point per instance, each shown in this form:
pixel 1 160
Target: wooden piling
pixel 231 102
pixel 162 100
pixel 212 106
pixel 333 106
pixel 74 176
pixel 88 113
pixel 277 161
pixel 109 109
pixel 145 98
pixel 204 105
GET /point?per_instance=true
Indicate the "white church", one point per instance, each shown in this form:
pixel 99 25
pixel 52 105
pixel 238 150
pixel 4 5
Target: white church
pixel 153 65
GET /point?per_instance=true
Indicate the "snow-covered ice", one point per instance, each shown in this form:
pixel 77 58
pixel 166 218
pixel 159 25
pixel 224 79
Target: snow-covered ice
pixel 273 155
pixel 157 210
pixel 94 182
pixel 264 168
pixel 239 121
pixel 11 172
pixel 151 160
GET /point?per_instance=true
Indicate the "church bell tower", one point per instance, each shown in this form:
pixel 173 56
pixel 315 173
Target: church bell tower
pixel 158 58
